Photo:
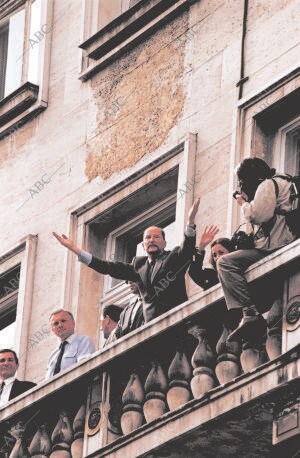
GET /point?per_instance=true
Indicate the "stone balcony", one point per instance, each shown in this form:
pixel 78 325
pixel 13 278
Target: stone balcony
pixel 175 387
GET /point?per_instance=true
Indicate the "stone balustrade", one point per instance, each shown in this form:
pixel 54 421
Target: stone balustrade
pixel 160 368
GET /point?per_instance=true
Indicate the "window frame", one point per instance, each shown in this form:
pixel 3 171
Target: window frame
pixel 83 288
pixel 252 108
pixel 23 255
pixel 280 148
pixel 100 46
pixel 29 99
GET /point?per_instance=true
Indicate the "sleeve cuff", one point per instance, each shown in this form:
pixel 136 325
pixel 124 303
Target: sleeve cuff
pixel 85 257
pixel 190 232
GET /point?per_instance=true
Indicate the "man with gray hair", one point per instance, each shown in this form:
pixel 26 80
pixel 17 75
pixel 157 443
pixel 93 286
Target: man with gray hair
pixel 71 346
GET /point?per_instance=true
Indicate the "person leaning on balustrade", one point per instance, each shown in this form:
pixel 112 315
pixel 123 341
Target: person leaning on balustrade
pixel 258 199
pixel 72 346
pixel 160 274
pixel 132 316
pixel 109 322
pixel 10 386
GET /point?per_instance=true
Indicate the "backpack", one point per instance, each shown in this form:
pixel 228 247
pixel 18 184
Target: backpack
pixel 292 217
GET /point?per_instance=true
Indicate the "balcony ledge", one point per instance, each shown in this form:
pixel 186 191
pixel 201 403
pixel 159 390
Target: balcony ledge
pixel 179 314
pixel 259 386
pixel 19 107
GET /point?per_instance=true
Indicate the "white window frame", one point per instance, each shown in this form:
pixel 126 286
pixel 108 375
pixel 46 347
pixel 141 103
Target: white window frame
pixel 14 112
pixel 22 254
pixel 280 148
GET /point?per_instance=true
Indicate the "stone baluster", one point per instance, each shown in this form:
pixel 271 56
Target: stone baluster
pixel 156 386
pixel 274 323
pixel 228 366
pixel 203 362
pixel 62 437
pixel 179 374
pixel 253 355
pixel 40 446
pixel 132 399
pixel 19 450
pixel 78 429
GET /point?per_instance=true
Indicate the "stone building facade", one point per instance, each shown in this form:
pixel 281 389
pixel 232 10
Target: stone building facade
pixel 115 114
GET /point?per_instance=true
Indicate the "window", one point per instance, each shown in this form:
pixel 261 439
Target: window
pixel 287 149
pixel 25 31
pixel 16 287
pixel 111 227
pixel 108 11
pixel 269 128
pixel 9 286
pixel 112 27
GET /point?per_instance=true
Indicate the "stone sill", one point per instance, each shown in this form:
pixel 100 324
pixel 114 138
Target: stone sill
pixel 182 313
pixel 126 31
pixel 18 108
pixel 236 394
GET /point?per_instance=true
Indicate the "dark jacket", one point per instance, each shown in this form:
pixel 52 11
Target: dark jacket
pixel 166 288
pixel 19 388
pixel 126 324
pixel 204 277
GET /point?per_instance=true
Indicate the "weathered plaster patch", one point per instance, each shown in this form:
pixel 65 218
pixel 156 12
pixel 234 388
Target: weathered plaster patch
pixel 140 99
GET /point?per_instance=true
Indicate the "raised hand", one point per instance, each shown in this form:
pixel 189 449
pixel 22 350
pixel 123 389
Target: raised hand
pixel 68 243
pixel 207 236
pixel 192 213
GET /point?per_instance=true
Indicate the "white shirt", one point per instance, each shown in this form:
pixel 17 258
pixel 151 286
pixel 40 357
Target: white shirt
pixel 4 398
pixel 77 346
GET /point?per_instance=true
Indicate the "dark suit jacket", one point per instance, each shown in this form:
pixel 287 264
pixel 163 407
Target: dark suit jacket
pixel 19 388
pixel 125 325
pixel 204 277
pixel 166 289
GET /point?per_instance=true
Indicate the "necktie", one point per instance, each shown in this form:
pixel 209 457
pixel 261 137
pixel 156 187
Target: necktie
pixel 59 358
pixel 1 388
pixel 150 269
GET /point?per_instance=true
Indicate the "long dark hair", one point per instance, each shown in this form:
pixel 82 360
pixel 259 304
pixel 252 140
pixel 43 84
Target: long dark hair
pixel 251 173
pixel 226 243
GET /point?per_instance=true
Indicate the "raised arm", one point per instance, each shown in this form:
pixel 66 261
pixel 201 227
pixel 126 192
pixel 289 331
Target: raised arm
pixel 68 243
pixel 207 236
pixel 193 212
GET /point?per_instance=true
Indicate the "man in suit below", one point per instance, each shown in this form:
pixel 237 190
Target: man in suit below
pixel 109 323
pixel 72 346
pixel 132 316
pixel 10 386
pixel 160 274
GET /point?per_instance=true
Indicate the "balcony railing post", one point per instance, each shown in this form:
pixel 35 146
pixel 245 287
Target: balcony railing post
pixel 291 313
pixel 95 417
pixel 203 362
pixel 179 374
pixel 274 322
pixel 228 366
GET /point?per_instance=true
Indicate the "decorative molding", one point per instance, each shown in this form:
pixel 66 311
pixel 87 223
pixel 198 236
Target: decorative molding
pixel 126 31
pixel 9 6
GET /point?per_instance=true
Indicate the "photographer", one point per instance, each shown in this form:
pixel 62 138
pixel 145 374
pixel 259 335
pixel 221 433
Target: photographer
pixel 258 198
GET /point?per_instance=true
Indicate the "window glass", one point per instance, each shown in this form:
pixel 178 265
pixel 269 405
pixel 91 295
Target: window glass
pixel 13 74
pixel 3 57
pixel 9 285
pixel 8 327
pixel 292 152
pixel 36 35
